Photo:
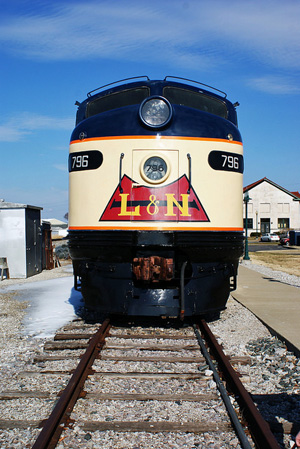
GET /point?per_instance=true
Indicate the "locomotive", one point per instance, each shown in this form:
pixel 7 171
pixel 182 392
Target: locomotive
pixel 155 198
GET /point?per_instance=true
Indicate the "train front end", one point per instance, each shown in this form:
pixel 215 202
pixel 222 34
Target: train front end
pixel 155 209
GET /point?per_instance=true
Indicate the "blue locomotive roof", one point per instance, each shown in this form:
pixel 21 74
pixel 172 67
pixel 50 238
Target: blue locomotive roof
pixel 131 91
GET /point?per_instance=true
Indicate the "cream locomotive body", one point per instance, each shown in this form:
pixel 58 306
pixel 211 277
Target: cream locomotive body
pixel 155 213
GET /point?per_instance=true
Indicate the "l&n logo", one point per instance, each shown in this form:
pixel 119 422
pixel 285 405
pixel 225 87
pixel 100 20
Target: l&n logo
pixel 173 202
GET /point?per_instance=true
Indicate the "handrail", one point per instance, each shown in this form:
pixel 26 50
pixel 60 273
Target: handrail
pixel 165 79
pixel 196 82
pixel 120 172
pixel 190 172
pixel 117 82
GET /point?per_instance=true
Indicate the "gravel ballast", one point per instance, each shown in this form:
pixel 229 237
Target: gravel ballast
pixel 273 371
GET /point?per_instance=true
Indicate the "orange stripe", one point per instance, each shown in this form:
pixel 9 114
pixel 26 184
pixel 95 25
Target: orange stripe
pixel 148 228
pixel 205 139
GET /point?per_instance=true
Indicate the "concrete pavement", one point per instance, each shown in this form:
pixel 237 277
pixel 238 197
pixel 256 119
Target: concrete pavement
pixel 276 304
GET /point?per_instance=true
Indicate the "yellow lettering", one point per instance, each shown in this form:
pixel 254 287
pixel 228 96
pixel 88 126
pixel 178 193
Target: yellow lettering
pixel 154 203
pixel 171 201
pixel 124 211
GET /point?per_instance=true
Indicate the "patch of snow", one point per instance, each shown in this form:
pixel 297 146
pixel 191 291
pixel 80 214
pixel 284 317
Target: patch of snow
pixel 52 304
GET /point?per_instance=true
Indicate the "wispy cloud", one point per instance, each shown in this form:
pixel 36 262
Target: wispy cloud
pixel 272 84
pixel 61 167
pixel 18 127
pixel 267 31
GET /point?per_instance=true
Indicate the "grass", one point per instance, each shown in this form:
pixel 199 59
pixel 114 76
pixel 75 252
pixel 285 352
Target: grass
pixel 287 261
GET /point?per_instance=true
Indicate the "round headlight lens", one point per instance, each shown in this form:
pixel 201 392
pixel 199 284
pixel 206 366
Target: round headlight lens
pixel 155 168
pixel 155 112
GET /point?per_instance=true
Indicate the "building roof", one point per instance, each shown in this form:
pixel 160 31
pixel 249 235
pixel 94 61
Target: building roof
pixel 56 223
pixel 7 205
pixel 295 195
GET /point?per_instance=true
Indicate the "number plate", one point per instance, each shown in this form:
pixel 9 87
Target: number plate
pixel 221 160
pixel 85 160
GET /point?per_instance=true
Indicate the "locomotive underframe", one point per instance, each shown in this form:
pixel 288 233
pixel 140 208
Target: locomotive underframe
pixel 203 267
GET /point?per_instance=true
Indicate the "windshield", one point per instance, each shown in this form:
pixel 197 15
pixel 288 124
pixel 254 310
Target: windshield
pixel 117 100
pixel 196 100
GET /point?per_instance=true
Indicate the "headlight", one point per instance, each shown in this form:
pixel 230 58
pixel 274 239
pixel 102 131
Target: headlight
pixel 155 112
pixel 154 169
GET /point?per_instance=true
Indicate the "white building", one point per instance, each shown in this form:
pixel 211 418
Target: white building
pixel 271 208
pixel 59 228
pixel 21 238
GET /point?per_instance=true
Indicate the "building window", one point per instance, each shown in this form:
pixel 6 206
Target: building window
pixel 283 223
pixel 250 223
pixel 284 208
pixel 265 207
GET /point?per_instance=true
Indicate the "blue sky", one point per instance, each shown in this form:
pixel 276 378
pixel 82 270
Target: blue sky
pixel 54 52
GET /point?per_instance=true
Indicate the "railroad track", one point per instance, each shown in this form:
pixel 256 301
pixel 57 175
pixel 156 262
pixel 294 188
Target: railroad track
pixel 162 357
pixel 164 361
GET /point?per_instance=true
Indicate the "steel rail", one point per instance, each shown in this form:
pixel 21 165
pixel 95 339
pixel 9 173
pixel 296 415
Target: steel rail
pixel 230 409
pixel 260 431
pixel 60 416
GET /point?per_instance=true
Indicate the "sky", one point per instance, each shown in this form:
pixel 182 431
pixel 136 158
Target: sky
pixel 53 52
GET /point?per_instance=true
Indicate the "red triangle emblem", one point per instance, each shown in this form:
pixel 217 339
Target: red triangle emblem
pixel 175 202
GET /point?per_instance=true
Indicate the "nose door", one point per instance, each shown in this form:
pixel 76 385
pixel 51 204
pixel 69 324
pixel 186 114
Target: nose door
pixel 155 190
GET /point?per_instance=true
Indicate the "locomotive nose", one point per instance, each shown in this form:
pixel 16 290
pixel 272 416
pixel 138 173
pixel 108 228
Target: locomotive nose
pixel 155 112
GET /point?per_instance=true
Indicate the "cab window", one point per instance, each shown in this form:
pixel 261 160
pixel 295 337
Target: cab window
pixel 196 100
pixel 117 100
